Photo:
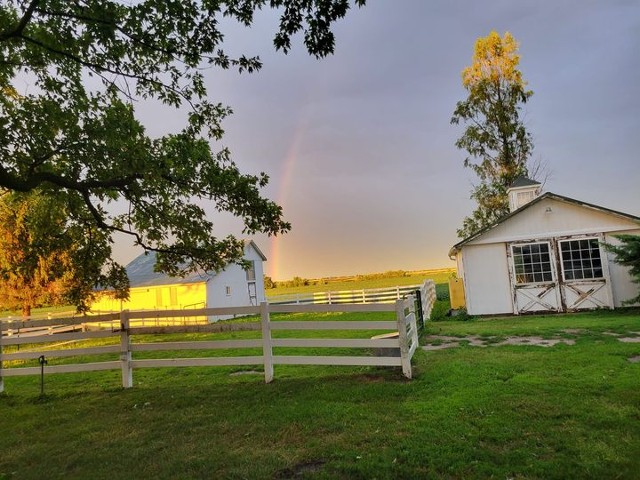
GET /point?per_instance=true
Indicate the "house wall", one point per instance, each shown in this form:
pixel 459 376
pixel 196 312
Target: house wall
pixel 235 278
pixel 486 279
pixel 157 297
pixel 621 282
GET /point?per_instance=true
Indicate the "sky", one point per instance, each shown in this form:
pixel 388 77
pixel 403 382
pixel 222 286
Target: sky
pixel 359 145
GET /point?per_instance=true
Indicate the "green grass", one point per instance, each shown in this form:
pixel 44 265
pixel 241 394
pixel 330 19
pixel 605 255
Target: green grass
pixel 495 412
pixel 438 276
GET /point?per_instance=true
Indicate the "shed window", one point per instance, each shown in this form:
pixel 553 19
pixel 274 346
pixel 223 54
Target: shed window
pixel 581 259
pixel 251 271
pixel 227 291
pixel 532 263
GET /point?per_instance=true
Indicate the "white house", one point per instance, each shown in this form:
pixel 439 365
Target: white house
pixel 546 255
pixel 150 290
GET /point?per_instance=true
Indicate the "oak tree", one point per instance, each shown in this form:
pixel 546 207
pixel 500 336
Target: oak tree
pixel 74 134
pixel 495 138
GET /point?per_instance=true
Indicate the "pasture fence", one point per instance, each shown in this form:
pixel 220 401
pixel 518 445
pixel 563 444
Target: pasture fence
pixel 393 349
pixel 370 295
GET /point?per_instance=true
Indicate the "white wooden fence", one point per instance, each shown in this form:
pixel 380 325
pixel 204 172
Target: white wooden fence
pixel 370 295
pixel 393 352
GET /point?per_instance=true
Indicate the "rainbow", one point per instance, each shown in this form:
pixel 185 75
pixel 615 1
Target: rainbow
pixel 275 267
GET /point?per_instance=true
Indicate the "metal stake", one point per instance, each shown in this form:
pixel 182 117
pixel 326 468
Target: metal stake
pixel 43 362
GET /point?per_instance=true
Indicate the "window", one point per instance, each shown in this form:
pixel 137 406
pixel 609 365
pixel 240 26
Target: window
pixel 532 263
pixel 251 272
pixel 227 290
pixel 581 259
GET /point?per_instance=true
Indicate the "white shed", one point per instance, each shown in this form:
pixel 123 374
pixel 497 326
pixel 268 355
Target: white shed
pixel 545 256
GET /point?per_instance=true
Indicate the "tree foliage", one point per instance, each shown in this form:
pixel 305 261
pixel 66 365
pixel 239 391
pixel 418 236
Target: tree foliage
pixel 627 253
pixel 46 261
pixel 74 136
pixel 495 139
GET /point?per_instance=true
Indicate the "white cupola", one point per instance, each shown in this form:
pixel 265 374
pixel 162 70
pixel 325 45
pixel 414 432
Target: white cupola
pixel 522 191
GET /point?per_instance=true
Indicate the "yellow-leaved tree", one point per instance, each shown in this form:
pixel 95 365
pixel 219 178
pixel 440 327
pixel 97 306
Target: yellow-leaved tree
pixel 495 138
pixel 42 257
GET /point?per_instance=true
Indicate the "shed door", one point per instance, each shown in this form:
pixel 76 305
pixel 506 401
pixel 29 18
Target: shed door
pixel 585 274
pixel 577 280
pixel 534 277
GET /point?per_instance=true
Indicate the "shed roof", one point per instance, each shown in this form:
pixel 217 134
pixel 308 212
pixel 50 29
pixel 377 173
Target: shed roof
pixel 536 200
pixel 141 271
pixel 523 182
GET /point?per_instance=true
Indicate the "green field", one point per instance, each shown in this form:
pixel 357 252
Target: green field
pixel 440 276
pixel 569 411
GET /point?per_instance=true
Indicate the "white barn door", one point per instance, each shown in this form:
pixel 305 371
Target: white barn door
pixel 534 277
pixel 585 281
pixel 559 275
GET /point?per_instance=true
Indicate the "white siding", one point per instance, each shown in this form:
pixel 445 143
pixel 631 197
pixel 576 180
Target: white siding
pixel 554 218
pixel 486 279
pixel 233 279
pixel 621 282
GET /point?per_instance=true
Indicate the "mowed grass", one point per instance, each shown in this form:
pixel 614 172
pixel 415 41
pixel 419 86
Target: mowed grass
pixel 495 412
pixel 411 278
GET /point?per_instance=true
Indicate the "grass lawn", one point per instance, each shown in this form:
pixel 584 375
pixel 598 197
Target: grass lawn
pixel 438 276
pixel 569 411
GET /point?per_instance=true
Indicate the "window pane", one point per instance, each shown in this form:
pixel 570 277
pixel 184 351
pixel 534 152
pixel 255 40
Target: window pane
pixel 532 263
pixel 581 259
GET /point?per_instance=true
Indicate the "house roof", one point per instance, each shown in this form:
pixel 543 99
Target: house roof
pixel 547 195
pixel 141 271
pixel 523 182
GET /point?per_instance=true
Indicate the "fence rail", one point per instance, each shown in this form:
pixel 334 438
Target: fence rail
pixel 370 295
pixel 404 343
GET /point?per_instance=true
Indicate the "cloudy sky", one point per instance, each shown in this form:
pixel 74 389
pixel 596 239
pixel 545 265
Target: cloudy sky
pixel 359 146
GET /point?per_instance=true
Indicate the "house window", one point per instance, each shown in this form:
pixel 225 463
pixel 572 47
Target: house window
pixel 532 263
pixel 227 290
pixel 251 272
pixel 581 259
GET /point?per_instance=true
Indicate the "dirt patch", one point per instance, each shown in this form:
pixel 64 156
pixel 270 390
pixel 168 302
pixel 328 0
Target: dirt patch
pixel 573 331
pixel 440 342
pixel 537 341
pixel 300 470
pixel 629 339
pixel 635 359
pixel 246 372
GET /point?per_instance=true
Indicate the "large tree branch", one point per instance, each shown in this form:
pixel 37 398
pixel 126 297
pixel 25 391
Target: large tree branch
pixel 22 24
pixel 34 180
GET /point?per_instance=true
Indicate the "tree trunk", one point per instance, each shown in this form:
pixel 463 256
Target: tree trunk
pixel 26 310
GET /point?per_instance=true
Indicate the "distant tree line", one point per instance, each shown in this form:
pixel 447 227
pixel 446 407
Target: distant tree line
pixel 303 282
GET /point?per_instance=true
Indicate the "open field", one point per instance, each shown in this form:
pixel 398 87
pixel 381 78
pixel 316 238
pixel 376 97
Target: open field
pixel 568 411
pixel 439 276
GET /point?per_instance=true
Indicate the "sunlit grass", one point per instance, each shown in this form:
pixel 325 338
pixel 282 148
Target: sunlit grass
pixel 495 412
pixel 438 276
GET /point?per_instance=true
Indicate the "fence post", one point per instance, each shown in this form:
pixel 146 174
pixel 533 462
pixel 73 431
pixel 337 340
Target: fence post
pixel 125 350
pixel 402 338
pixel 419 311
pixel 267 348
pixel 414 324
